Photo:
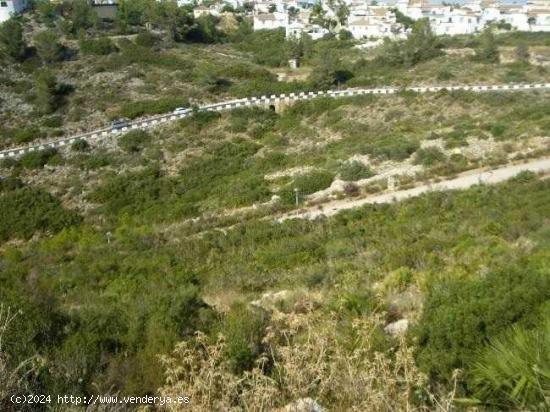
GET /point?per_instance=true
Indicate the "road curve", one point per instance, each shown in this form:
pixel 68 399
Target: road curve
pixel 464 181
pixel 262 101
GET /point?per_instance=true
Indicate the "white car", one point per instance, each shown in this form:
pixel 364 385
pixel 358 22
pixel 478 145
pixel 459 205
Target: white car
pixel 182 110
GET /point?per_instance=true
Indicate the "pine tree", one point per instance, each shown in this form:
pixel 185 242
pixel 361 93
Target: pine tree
pixel 487 51
pixel 46 93
pixel 11 39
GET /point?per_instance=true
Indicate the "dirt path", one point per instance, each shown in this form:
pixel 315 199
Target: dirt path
pixel 463 181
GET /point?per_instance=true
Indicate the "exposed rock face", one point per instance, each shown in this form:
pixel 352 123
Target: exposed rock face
pixel 397 328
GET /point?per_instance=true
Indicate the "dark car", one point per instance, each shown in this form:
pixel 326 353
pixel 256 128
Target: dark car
pixel 119 124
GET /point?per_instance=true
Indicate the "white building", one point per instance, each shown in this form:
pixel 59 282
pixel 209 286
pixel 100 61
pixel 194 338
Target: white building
pixel 9 8
pixel 270 21
pixel 295 29
pixel 373 22
pixel 538 15
pixel 452 21
pixel 205 11
pixel 366 20
pixel 473 16
pixel 316 32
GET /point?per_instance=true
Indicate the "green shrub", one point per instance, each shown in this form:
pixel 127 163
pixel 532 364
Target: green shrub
pixel 92 161
pixel 238 124
pixel 306 184
pixel 10 183
pixel 456 138
pixel 139 108
pixel 516 75
pixel 244 328
pixel 133 192
pixel 393 147
pixel 503 25
pixel 444 75
pixel 201 119
pixel 47 46
pixel 228 169
pixel 10 163
pixel 345 35
pixel 26 210
pixel 420 46
pixel 429 156
pixel 313 182
pixel 524 177
pixel 311 108
pixel 354 303
pixel 187 310
pixel 499 129
pixel 101 46
pixel 246 191
pixel 355 170
pixel 487 51
pixel 37 159
pixel 134 141
pixel 80 145
pixel 147 39
pixel 53 121
pixel 267 47
pixel 264 120
pixel 461 315
pixel 28 135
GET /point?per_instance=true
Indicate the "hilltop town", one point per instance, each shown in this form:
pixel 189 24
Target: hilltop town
pixel 358 19
pixel 364 19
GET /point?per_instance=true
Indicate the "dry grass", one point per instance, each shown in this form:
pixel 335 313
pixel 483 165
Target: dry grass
pixel 305 357
pixel 12 379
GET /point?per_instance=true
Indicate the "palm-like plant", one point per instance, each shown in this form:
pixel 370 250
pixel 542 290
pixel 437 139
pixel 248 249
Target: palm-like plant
pixel 514 370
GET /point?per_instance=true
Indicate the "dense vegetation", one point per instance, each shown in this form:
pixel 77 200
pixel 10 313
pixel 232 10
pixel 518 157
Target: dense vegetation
pixel 439 243
pixel 26 210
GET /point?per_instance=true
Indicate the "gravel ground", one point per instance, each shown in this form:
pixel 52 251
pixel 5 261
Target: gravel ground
pixel 464 181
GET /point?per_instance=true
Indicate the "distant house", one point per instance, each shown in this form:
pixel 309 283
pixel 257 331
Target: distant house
pixel 294 30
pixel 205 11
pixel 474 15
pixel 270 21
pixel 316 32
pixel 10 8
pixel 451 21
pixel 538 18
pixel 365 27
pixel 373 21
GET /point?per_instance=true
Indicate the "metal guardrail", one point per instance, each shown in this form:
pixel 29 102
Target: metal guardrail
pixel 258 101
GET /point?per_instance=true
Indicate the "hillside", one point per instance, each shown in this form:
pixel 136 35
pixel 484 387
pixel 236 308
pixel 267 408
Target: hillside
pixel 159 261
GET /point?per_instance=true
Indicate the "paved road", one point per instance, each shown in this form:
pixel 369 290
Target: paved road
pixel 262 101
pixel 464 181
